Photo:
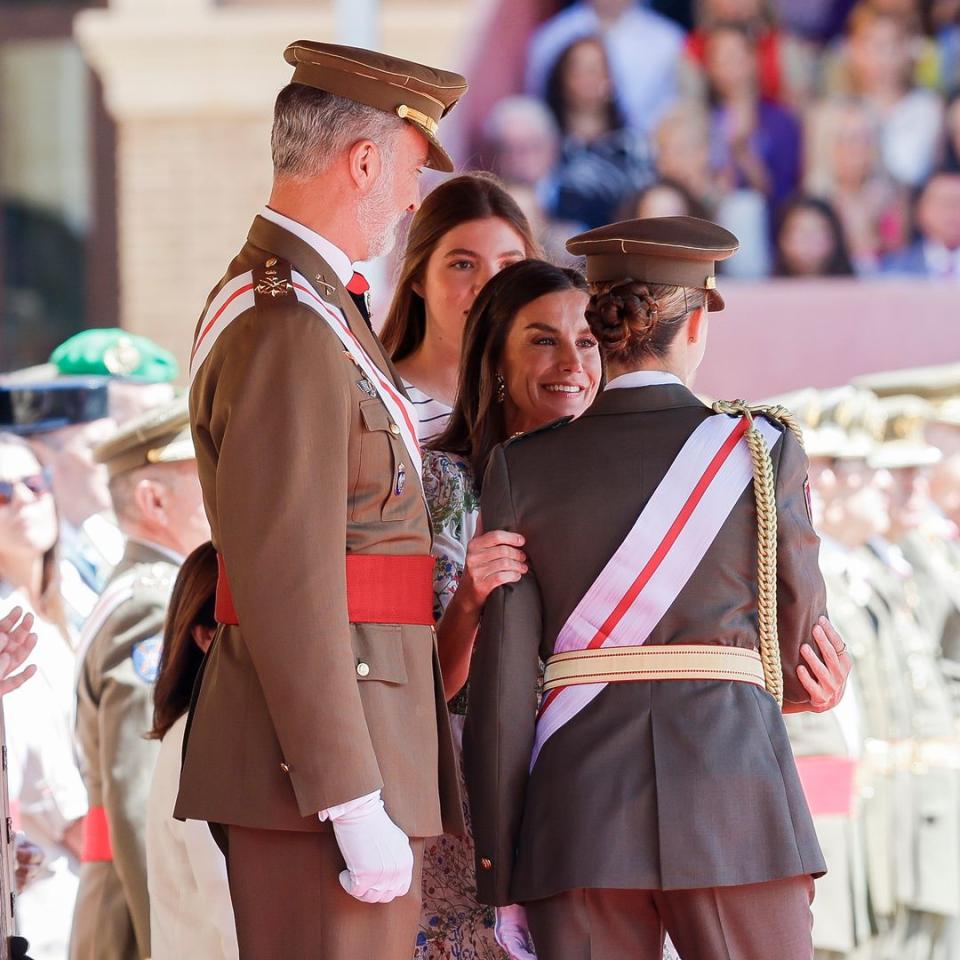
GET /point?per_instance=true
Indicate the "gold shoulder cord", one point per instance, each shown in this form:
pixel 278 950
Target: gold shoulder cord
pixel 765 494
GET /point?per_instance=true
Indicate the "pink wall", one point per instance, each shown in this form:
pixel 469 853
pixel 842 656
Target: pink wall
pixel 784 334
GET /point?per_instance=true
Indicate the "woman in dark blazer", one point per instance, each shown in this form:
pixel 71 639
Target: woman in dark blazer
pixel 655 790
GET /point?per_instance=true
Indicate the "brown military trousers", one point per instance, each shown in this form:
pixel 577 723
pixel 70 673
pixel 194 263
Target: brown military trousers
pixel 288 902
pixel 760 921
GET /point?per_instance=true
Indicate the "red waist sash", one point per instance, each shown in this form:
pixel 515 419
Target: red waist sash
pixel 380 589
pixel 96 837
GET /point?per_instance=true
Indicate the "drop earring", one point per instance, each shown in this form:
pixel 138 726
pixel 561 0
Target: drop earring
pixel 501 388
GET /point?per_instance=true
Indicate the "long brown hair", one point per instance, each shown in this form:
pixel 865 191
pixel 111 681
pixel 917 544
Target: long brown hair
pixel 50 602
pixel 477 423
pixel 472 196
pixel 191 605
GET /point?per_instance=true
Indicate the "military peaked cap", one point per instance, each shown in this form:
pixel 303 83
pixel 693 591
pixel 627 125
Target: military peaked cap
pixel 28 407
pixel 160 436
pixel 681 251
pixel 416 93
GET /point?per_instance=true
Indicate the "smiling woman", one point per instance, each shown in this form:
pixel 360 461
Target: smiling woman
pixel 467 230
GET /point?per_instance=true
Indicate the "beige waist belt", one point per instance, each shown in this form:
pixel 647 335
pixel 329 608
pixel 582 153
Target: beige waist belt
pixel 694 661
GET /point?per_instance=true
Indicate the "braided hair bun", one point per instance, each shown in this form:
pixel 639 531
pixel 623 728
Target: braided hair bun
pixel 623 317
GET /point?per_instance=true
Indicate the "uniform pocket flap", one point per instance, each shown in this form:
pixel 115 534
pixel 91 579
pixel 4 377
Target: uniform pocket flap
pixel 375 415
pixel 378 651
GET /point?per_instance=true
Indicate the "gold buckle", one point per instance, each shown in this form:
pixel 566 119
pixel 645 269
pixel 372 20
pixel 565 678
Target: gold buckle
pixel 408 113
pixel 710 283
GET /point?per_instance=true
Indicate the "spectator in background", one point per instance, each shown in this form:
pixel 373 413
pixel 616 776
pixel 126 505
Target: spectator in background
pixel 936 251
pixel 663 198
pixel 944 27
pixel 786 67
pixel 756 142
pixel 644 49
pixel 681 147
pixel 809 241
pixel 844 168
pixel 44 782
pixel 601 161
pixel 952 138
pixel 876 66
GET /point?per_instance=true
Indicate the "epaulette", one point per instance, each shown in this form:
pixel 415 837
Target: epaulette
pixel 273 283
pixel 775 412
pixel 544 429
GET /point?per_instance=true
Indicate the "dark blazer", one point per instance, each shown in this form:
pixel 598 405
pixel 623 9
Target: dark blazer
pixel 655 785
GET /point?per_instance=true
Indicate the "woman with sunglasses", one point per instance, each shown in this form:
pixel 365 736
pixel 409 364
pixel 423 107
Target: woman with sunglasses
pixel 44 781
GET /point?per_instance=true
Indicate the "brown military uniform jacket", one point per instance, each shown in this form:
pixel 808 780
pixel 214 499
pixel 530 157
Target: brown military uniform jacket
pixel 655 785
pixel 298 464
pixel 111 920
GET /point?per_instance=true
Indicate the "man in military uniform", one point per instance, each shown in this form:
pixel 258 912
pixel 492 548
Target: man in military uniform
pixel 310 468
pixel 157 500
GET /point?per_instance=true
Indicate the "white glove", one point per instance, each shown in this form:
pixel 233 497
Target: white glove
pixel 512 932
pixel 377 852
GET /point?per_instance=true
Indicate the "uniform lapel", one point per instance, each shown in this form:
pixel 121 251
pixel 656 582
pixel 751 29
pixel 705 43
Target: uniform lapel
pixel 325 282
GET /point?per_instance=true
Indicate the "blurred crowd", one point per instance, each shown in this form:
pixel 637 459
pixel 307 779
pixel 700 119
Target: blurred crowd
pixel 825 135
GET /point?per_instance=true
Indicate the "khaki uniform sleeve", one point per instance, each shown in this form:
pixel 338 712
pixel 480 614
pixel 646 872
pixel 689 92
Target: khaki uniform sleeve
pixel 127 760
pixel 502 705
pixel 281 421
pixel 801 593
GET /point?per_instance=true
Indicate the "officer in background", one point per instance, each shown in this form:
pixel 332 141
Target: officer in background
pixel 64 418
pixel 829 746
pixel 156 496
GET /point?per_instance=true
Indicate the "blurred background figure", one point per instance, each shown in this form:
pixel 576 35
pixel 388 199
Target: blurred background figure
pixel 663 198
pixel 48 801
pixel 601 160
pixel 190 908
pixel 809 240
pixel 936 251
pixel 156 497
pixel 647 84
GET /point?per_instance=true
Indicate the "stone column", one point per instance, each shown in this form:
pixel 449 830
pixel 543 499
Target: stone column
pixel 191 87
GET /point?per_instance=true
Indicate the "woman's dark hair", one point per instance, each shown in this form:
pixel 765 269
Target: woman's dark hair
pixel 472 196
pixel 191 605
pixel 838 264
pixel 632 320
pixel 556 97
pixel 477 422
pixel 50 604
pixel 745 33
pixel 629 211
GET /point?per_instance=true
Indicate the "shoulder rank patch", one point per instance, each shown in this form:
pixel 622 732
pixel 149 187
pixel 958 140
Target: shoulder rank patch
pixel 146 657
pixel 272 280
pixel 563 421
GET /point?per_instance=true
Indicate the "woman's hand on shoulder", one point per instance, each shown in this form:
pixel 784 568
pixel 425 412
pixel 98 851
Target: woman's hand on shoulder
pixel 493 559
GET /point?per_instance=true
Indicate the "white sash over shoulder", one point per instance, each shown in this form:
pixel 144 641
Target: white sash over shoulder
pixel 660 553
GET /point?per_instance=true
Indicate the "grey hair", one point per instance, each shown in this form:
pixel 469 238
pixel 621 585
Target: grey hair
pixel 311 127
pixel 525 111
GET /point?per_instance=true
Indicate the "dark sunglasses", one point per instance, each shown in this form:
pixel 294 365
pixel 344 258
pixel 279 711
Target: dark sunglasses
pixel 37 484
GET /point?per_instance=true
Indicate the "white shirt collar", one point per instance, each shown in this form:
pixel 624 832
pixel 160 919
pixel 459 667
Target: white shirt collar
pixel 642 378
pixel 330 252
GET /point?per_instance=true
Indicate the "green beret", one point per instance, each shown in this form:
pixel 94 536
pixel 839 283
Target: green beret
pixel 114 353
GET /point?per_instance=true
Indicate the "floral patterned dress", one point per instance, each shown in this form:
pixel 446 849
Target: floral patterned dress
pixel 453 925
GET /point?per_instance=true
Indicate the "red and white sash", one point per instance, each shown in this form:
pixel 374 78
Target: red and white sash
pixel 650 568
pixel 237 296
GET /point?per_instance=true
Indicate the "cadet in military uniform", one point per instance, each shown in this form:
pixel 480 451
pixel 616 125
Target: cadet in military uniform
pixel 310 469
pixel 656 788
pixel 156 496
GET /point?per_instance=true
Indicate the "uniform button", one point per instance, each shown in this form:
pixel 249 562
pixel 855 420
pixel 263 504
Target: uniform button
pixel 394 429
pixel 486 863
pixel 363 669
pixel 284 767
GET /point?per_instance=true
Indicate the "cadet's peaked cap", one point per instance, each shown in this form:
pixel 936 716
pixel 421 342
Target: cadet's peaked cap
pixel 418 94
pixel 39 406
pixel 681 251
pixel 114 353
pixel 160 436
